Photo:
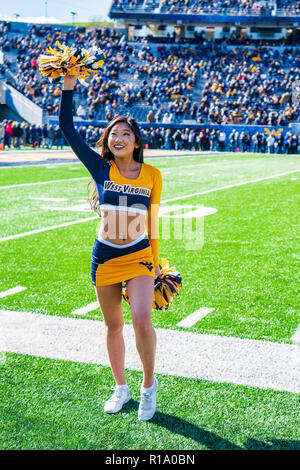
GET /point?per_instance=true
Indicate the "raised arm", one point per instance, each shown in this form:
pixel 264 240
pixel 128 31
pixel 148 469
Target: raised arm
pixel 91 159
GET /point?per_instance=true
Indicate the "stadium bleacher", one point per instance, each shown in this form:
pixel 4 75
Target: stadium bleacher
pixel 228 7
pixel 223 81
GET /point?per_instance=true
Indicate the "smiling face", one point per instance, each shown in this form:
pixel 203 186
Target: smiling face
pixel 121 141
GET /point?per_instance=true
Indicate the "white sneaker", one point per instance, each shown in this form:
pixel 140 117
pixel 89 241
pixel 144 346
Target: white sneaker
pixel 148 402
pixel 120 396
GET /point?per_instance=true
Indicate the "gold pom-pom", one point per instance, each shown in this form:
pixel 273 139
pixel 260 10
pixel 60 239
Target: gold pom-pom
pixel 166 287
pixel 70 60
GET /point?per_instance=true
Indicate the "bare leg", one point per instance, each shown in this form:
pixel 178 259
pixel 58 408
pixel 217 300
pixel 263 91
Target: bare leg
pixel 140 291
pixel 110 300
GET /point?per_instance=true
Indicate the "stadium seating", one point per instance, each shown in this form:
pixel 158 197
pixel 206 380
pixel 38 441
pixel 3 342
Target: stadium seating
pixel 228 81
pixel 198 7
pixel 137 77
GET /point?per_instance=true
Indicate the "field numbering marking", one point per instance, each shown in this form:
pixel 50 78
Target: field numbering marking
pixel 195 317
pixel 13 290
pixel 162 202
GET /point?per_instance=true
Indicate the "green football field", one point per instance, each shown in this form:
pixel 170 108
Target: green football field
pixel 239 261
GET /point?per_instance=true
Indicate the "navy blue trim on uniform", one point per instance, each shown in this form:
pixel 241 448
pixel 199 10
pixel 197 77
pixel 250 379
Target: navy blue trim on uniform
pixel 102 253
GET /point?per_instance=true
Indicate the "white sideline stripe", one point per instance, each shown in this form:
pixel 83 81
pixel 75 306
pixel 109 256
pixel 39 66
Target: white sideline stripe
pixel 42 182
pixel 296 336
pixel 229 186
pixel 11 237
pixel 86 309
pixel 45 229
pixel 179 353
pixel 195 317
pixel 13 290
pixel 45 165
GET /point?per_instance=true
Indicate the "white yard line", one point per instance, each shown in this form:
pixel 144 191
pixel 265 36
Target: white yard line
pixel 11 237
pixel 230 186
pixel 192 319
pixel 43 182
pixel 206 357
pixel 13 290
pixel 45 229
pixel 87 308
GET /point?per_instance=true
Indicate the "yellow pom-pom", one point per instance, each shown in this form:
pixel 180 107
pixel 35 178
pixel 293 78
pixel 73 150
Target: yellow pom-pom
pixel 167 286
pixel 70 60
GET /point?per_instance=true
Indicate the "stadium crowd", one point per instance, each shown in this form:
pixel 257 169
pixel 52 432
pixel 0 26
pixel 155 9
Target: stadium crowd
pixel 21 135
pixel 228 7
pixel 242 85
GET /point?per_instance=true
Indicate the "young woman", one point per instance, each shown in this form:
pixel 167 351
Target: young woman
pixel 128 193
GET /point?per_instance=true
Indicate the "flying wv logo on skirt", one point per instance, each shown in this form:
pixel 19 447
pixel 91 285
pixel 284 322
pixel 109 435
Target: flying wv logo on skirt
pixel 148 265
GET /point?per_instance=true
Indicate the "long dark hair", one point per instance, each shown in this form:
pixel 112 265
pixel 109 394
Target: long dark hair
pixel 107 155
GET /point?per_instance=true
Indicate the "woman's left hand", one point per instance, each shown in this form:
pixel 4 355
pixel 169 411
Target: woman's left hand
pixel 157 272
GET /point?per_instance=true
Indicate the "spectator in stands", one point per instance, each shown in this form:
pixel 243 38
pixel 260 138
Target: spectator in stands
pixel 270 143
pixel 45 139
pixel 255 142
pixel 243 140
pixel 8 134
pixel 58 138
pixel 280 141
pixel 213 140
pixel 184 138
pixel 150 116
pixel 177 140
pixel 81 111
pixel 222 141
pixel 168 140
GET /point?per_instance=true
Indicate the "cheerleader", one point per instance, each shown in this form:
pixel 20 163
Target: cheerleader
pixel 127 193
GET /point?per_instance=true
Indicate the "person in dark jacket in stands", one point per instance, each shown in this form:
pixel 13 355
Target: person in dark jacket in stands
pixel 33 135
pixel 259 142
pixel 280 143
pixel 177 140
pixel 51 135
pixel 17 134
pixel 39 135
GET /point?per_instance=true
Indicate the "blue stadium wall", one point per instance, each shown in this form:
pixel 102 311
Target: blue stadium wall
pixel 275 130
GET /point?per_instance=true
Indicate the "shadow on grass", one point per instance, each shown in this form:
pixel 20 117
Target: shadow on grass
pixel 184 428
pixel 209 439
pixel 273 444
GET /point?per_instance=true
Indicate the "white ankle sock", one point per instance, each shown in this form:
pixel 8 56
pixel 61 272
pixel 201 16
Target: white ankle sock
pixel 122 386
pixel 148 389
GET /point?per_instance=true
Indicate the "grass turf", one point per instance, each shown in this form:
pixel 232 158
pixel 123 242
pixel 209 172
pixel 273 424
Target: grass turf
pixel 246 271
pixel 50 404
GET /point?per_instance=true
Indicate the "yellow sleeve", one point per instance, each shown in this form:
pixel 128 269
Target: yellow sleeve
pixel 152 222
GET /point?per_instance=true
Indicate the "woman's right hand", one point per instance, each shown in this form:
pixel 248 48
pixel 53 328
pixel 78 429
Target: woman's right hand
pixel 70 81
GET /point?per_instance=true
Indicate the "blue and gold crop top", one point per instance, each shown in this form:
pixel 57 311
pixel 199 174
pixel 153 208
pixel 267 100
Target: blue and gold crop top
pixel 140 195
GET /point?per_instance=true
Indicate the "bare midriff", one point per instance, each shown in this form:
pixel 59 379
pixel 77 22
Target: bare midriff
pixel 121 227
